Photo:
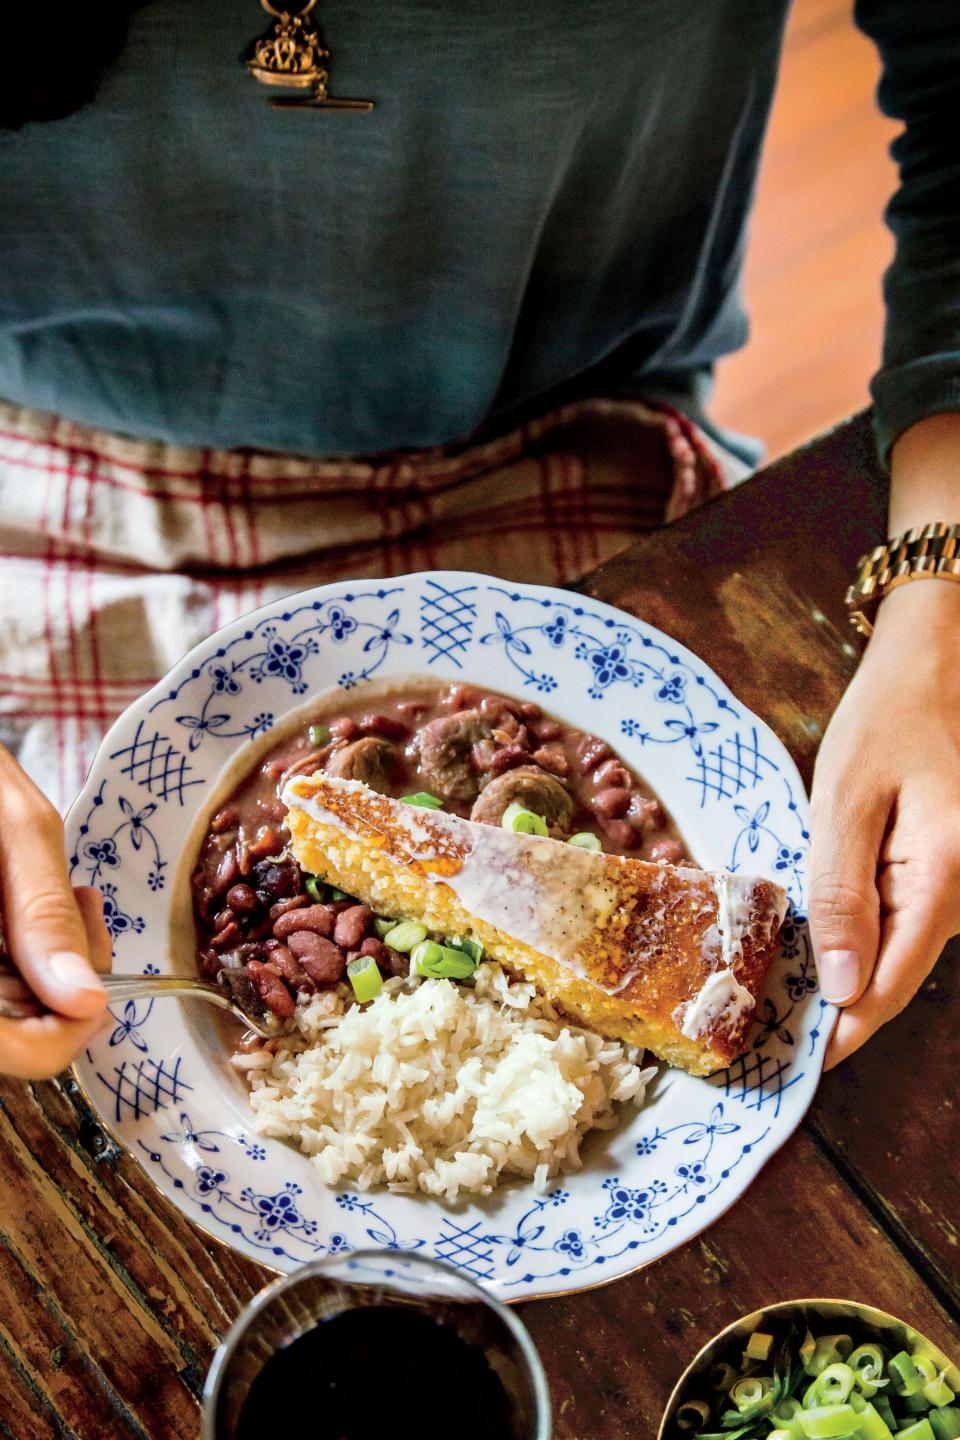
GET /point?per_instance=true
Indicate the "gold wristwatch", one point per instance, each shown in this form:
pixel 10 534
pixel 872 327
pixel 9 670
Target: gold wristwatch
pixel 929 552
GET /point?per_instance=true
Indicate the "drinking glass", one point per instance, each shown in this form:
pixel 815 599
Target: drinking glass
pixel 297 1303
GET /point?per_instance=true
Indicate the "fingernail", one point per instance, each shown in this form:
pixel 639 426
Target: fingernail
pixel 73 972
pixel 839 975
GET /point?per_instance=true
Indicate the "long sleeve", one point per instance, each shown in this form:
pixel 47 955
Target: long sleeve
pixel 919 44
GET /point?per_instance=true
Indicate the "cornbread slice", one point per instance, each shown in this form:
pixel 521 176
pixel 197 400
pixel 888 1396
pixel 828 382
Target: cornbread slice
pixel 667 957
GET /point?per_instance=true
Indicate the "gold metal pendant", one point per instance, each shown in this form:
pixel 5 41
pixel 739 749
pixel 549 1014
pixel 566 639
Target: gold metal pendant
pixel 291 55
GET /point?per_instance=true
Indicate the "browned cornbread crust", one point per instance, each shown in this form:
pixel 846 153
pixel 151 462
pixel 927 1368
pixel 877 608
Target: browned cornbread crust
pixel 641 939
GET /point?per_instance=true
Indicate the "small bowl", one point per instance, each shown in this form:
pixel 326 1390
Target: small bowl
pixel 876 1324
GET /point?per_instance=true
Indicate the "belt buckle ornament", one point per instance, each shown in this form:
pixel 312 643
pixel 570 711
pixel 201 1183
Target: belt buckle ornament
pixel 291 55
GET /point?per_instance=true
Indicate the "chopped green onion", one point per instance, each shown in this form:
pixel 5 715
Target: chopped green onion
pixel 857 1401
pixel 336 894
pixel 405 936
pixel 383 924
pixel 905 1378
pixel 759 1345
pixel 440 962
pixel 365 978
pixel 824 1422
pixel 927 1368
pixel 692 1415
pixel 522 821
pixel 835 1383
pixel 319 734
pixel 473 948
pixel 945 1422
pixel 866 1362
pixel 871 1425
pixel 722 1376
pixel 921 1430
pixel 748 1393
pixel 588 841
pixel 779 1435
pixel 806 1351
pixel 312 886
pixel 938 1392
pixel 422 799
pixel 827 1351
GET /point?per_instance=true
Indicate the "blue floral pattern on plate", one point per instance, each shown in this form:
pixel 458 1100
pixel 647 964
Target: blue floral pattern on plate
pixel 669 1169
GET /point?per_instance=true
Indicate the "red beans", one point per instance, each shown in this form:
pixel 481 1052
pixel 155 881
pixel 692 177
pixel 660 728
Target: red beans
pixel 611 772
pixel 529 711
pixel 271 989
pixel 323 961
pixel 384 725
pixel 590 752
pixel 227 871
pixel 611 804
pixel 292 902
pixel 352 925
pixel 669 851
pixel 621 835
pixel 380 952
pixel 229 936
pixel 645 814
pixel 506 757
pixel 283 958
pixel 317 918
pixel 545 729
pixel 223 918
pixel 552 758
pixel 345 729
pixel 242 898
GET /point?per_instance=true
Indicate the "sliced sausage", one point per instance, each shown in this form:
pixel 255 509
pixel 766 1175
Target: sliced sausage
pixel 445 750
pixel 532 788
pixel 371 760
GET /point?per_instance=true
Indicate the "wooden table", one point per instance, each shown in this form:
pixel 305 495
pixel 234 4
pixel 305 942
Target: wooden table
pixel 111 1303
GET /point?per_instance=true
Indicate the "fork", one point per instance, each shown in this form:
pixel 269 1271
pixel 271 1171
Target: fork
pixel 234 991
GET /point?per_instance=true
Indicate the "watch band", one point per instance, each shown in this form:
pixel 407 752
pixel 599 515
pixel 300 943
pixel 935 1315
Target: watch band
pixel 928 552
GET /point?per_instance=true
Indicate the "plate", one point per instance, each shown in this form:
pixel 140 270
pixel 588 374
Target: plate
pixel 162 1089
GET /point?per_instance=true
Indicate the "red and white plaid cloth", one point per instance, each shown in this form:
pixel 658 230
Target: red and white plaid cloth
pixel 118 555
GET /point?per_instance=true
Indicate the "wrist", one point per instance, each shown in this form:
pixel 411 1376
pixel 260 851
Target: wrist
pixel 919 610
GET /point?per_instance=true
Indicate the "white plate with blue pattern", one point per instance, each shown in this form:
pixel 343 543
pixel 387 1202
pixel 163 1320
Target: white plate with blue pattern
pixel 671 1168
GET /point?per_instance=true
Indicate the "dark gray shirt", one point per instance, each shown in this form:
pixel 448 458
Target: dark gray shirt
pixel 550 197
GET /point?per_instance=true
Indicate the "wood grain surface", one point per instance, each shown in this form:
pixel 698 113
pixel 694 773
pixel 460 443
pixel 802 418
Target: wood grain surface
pixel 111 1303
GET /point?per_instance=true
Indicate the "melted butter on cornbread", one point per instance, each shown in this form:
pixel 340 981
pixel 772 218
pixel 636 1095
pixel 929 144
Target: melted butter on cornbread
pixel 641 951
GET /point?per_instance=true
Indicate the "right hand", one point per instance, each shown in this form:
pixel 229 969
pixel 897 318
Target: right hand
pixel 55 934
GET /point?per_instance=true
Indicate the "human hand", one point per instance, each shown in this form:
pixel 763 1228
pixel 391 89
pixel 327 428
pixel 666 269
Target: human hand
pixel 885 850
pixel 55 935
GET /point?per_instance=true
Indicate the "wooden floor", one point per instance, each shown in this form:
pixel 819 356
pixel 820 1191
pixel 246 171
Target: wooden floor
pixel 818 245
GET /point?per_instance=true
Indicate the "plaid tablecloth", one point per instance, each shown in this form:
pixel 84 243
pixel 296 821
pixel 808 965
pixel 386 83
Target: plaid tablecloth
pixel 118 555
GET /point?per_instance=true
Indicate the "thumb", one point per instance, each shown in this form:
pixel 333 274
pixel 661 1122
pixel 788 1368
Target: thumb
pixel 45 931
pixel 846 836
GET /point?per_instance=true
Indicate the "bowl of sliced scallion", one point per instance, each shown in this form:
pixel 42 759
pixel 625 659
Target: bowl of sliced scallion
pixel 816 1370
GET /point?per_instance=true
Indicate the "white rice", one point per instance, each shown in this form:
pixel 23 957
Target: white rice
pixel 440 1087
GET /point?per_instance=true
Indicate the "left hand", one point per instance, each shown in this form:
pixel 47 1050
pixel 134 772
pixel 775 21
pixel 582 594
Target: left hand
pixel 885 850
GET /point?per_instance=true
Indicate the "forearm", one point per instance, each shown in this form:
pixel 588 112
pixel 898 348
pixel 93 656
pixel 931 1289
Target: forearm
pixel 924 486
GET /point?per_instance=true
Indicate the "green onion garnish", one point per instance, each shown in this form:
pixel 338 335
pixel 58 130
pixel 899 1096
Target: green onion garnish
pixel 905 1378
pixel 440 962
pixel 588 841
pixel 405 936
pixel 945 1422
pixel 522 821
pixel 826 1421
pixel 423 799
pixel 473 948
pixel 922 1430
pixel 871 1425
pixel 336 894
pixel 365 978
pixel 383 924
pixel 319 735
pixel 692 1415
pixel 938 1392
pixel 833 1386
pixel 314 889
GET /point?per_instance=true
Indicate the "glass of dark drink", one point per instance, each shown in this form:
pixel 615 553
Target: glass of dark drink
pixel 376 1345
